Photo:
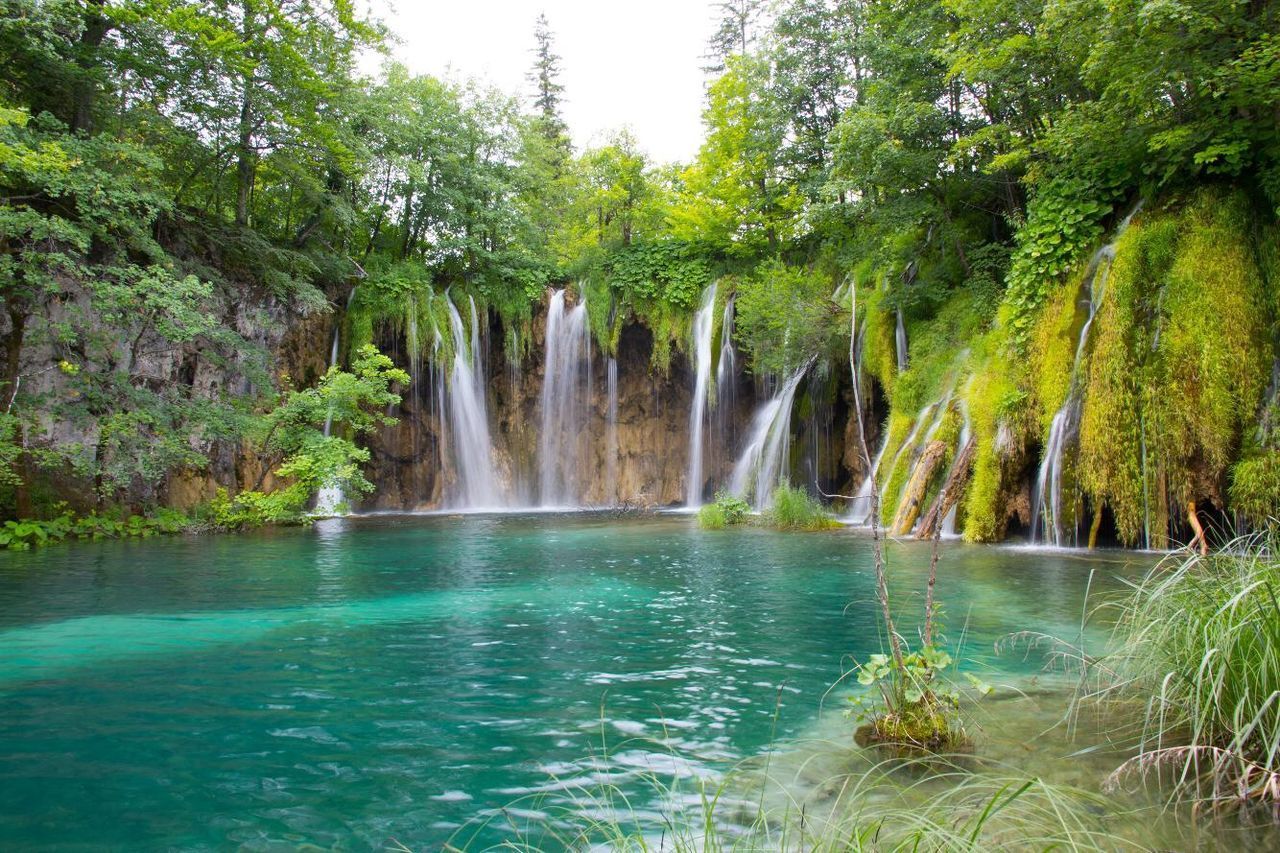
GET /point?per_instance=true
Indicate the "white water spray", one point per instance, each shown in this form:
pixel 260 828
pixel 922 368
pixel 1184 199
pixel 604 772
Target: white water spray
pixel 564 383
pixel 703 323
pixel 477 486
pixel 763 462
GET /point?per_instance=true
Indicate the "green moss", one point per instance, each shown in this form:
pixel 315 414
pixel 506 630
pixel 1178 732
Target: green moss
pixel 999 414
pixel 1181 355
pixel 1111 439
pixel 879 352
pixel 1053 347
pixel 1255 487
pixel 1213 358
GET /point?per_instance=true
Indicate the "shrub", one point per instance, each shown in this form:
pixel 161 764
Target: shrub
pixel 727 509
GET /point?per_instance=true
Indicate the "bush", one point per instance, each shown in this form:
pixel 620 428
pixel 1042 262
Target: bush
pixel 727 509
pixel 796 509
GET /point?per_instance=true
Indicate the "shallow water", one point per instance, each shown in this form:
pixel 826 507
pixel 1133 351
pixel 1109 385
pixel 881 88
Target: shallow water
pixel 393 679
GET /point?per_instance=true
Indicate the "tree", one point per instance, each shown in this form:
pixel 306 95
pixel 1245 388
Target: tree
pixel 735 33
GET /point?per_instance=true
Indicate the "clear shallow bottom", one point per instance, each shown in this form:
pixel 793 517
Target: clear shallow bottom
pixel 385 679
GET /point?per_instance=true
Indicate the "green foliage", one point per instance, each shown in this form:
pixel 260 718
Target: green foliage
pixel 727 509
pixel 293 433
pixel 919 707
pixel 1063 220
pixel 779 340
pixel 27 533
pixel 670 271
pixel 791 508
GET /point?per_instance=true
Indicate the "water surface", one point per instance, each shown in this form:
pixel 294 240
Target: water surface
pixel 396 678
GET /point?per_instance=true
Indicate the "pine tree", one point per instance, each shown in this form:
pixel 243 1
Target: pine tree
pixel 545 77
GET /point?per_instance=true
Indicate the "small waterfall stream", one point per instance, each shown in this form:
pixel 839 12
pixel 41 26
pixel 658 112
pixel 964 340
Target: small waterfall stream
pixel 1046 499
pixel 763 462
pixel 900 342
pixel 477 484
pixel 331 498
pixel 1064 430
pixel 565 395
pixel 966 430
pixel 703 325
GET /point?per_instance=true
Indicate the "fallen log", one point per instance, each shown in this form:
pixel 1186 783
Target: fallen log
pixel 1194 518
pixel 914 493
pixel 951 491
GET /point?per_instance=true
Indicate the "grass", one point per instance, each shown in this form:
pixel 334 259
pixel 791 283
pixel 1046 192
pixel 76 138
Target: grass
pixel 1198 645
pixel 796 509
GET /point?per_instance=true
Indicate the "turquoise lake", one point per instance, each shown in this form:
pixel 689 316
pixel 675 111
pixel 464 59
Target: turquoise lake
pixel 416 680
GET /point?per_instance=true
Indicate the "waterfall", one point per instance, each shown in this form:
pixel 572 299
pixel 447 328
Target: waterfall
pixel 724 431
pixel 966 430
pixel 331 497
pixel 900 341
pixel 763 462
pixel 1046 500
pixel 703 323
pixel 564 403
pixel 477 486
pixel 611 425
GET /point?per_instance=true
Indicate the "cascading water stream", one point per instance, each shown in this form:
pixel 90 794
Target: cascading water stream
pixel 1064 430
pixel 703 325
pixel 477 485
pixel 564 424
pixel 331 497
pixel 966 430
pixel 900 342
pixel 724 428
pixel 763 462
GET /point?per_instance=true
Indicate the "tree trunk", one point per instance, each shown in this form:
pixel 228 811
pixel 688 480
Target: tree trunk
pixel 914 493
pixel 12 371
pixel 245 166
pixel 85 89
pixel 951 491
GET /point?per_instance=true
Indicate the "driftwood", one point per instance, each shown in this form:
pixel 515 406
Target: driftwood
pixel 951 491
pixel 1194 518
pixel 914 493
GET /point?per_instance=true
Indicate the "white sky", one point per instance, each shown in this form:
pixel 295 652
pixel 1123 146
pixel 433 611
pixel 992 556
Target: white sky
pixel 636 64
